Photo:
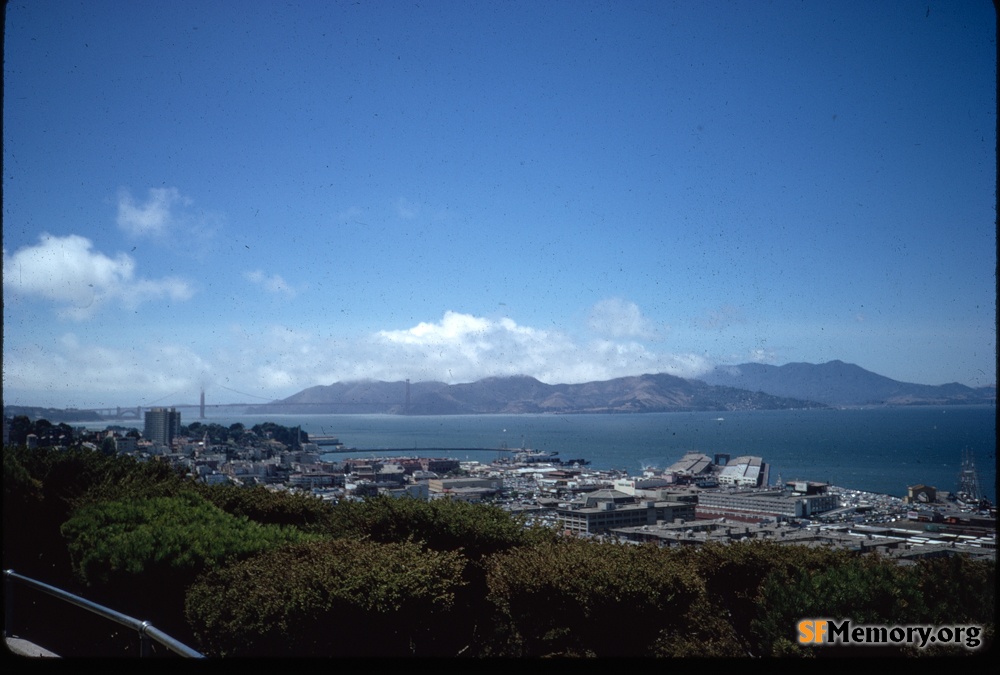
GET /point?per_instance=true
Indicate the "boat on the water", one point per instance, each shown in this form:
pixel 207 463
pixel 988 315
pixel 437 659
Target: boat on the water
pixel 525 456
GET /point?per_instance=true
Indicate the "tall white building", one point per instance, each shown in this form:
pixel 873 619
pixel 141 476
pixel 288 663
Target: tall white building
pixel 162 425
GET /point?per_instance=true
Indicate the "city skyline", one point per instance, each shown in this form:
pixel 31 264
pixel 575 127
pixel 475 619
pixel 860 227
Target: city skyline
pixel 265 197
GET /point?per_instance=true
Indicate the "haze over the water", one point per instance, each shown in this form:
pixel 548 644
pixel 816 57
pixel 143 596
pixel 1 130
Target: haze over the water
pixel 259 197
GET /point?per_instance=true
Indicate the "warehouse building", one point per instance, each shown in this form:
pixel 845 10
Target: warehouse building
pixel 604 510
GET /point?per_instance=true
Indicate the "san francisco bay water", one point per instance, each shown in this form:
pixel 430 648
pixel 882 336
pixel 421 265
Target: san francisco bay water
pixel 882 450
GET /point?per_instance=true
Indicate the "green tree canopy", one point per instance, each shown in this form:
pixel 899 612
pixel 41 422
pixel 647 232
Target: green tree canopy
pixel 108 541
pixel 576 597
pixel 331 598
pixel 443 524
pixel 271 507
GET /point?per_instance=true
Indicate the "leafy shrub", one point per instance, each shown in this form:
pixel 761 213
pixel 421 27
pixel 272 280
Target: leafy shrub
pixel 575 597
pixel 874 590
pixel 734 574
pixel 22 495
pixel 163 535
pixel 270 507
pixel 867 590
pixel 20 489
pixel 330 598
pixel 477 530
pixel 56 482
pixel 127 479
pixel 958 590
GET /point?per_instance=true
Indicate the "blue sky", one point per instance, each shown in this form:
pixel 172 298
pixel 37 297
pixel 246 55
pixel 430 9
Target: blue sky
pixel 259 197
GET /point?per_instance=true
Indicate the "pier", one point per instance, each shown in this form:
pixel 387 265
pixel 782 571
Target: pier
pixel 344 451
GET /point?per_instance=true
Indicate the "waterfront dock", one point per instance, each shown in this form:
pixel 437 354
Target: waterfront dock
pixel 442 451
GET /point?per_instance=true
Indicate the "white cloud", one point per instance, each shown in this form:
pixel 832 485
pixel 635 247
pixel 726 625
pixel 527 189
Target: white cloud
pixel 406 209
pixel 454 327
pixel 273 284
pixel 463 348
pixel 70 372
pixel 761 355
pixel 192 233
pixel 618 318
pixel 278 361
pixel 354 214
pixel 152 217
pixel 66 270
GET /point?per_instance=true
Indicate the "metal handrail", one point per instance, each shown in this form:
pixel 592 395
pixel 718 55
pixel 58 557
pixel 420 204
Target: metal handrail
pixel 147 632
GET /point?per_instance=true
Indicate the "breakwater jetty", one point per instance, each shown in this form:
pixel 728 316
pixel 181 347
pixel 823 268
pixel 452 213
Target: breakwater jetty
pixel 340 450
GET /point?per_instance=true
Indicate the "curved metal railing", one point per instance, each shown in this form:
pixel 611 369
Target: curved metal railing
pixel 147 632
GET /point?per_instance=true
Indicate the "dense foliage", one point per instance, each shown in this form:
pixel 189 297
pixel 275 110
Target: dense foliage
pixel 334 598
pixel 575 597
pixel 734 575
pixel 874 591
pixel 42 488
pixel 270 507
pixel 290 436
pixel 442 524
pixel 141 555
pixel 163 536
pixel 865 590
pixel 46 434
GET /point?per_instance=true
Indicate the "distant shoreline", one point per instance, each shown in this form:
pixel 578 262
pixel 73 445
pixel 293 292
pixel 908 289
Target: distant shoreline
pixel 237 410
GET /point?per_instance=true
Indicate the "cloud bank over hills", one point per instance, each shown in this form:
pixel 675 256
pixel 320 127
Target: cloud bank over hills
pixel 267 363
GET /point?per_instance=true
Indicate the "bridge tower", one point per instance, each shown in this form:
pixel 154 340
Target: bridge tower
pixel 407 408
pixel 201 405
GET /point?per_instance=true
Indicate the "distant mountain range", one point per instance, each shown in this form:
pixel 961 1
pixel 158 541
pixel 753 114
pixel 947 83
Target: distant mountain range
pixel 743 387
pixel 521 394
pixel 843 384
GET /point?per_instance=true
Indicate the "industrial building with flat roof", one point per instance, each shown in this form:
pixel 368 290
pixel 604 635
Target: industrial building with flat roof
pixel 691 464
pixel 770 504
pixel 604 510
pixel 745 471
pixel 891 542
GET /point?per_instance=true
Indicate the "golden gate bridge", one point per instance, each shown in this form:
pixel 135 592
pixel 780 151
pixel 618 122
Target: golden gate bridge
pixel 136 413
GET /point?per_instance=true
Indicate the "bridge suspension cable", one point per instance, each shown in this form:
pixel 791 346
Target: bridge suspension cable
pixel 152 403
pixel 243 393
